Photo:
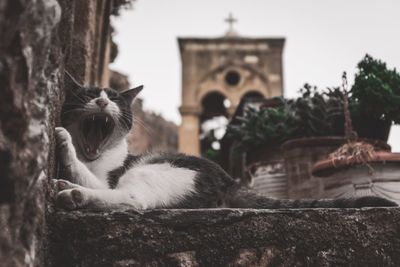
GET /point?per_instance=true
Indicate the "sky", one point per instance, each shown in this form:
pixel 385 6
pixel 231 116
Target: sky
pixel 323 39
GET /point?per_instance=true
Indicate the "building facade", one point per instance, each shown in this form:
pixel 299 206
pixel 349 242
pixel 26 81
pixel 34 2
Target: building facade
pixel 218 72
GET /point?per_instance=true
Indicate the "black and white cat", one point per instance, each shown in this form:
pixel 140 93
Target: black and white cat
pixel 103 175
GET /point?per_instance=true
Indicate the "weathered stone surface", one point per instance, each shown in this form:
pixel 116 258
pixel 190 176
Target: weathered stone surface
pixel 38 38
pixel 29 79
pixel 321 237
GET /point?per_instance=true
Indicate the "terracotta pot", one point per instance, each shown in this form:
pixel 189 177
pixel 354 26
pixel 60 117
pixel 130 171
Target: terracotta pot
pixel 300 155
pixel 380 178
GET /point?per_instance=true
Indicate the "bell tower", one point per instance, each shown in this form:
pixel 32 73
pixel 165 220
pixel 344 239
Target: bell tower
pixel 218 72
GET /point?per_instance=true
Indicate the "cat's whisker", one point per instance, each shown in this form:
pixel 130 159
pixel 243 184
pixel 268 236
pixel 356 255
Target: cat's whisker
pixel 126 126
pixel 140 123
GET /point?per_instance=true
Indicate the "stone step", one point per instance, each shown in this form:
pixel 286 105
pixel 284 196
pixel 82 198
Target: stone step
pixel 226 237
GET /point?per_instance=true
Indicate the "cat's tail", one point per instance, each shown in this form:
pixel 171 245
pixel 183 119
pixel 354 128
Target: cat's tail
pixel 244 198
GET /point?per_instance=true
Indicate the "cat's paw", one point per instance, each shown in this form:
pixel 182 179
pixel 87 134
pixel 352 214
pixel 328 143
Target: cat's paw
pixel 59 185
pixel 65 147
pixel 70 199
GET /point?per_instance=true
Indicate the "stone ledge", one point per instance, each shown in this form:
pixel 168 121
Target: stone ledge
pixel 226 237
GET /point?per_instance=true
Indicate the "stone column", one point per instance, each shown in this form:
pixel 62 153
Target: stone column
pixel 189 140
pixel 231 111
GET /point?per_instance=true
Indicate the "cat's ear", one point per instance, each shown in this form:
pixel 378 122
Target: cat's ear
pixel 70 84
pixel 130 94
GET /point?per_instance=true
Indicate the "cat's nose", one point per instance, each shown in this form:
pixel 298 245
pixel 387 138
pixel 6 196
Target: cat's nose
pixel 102 103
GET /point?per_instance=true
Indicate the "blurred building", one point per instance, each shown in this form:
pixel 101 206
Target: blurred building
pixel 216 74
pixel 150 132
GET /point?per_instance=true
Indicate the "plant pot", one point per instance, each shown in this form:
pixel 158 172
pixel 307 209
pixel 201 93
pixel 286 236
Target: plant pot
pixel 266 171
pixel 344 180
pixel 300 155
pixel 372 128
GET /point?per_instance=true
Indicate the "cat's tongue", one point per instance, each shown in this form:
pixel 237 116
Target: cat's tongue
pixel 96 129
pixel 94 138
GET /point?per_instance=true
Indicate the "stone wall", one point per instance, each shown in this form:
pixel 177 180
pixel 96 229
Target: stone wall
pixel 330 237
pixel 89 40
pixel 39 40
pixel 30 73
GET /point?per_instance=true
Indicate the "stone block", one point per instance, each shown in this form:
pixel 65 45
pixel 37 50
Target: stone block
pixel 226 237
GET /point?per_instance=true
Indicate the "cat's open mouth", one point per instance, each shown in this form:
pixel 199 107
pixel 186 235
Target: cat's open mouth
pixel 95 129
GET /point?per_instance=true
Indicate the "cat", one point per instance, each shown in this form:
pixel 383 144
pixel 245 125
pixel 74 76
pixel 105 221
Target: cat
pixel 102 175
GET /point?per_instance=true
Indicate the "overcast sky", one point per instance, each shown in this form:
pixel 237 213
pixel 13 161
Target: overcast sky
pixel 323 39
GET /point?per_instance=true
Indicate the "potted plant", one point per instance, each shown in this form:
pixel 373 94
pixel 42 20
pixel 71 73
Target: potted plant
pixel 320 131
pixel 375 99
pixel 257 137
pixel 358 168
pixel 264 126
pixel 309 121
pixel 312 114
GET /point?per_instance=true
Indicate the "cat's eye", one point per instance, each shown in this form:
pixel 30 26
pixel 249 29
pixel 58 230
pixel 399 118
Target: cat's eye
pixel 113 97
pixel 87 97
pixel 92 95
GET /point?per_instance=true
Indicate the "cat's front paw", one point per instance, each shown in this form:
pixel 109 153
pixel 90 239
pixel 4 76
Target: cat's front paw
pixel 65 147
pixel 70 199
pixel 59 185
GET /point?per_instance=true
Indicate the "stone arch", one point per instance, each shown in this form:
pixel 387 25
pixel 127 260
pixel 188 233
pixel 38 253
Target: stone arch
pixel 254 93
pixel 212 120
pixel 251 78
pixel 205 91
pixel 213 102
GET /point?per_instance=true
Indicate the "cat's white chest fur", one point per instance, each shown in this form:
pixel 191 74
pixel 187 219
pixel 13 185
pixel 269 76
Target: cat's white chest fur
pixel 108 161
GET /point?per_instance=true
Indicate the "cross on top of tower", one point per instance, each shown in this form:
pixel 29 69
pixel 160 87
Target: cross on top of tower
pixel 231 20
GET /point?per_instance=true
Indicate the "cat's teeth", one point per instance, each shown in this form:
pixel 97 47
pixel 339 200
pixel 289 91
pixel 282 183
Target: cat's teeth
pixel 87 150
pixel 92 118
pixel 97 151
pixel 106 119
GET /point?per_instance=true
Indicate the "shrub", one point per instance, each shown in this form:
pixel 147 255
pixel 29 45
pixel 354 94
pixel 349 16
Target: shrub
pixel 264 126
pixel 313 114
pixel 376 91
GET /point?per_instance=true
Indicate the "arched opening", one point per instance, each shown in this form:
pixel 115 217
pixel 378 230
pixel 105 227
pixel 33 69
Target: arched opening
pixel 213 122
pixel 253 95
